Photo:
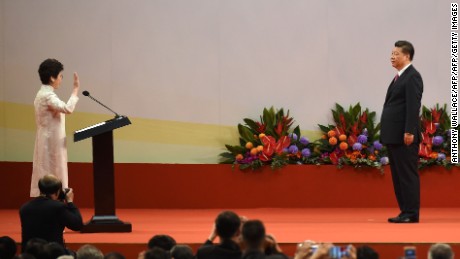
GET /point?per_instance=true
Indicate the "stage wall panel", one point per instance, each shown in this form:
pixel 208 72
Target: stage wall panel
pixel 171 186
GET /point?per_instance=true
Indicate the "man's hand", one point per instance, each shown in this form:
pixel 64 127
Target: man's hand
pixel 304 250
pixel 69 196
pixel 408 138
pixel 213 234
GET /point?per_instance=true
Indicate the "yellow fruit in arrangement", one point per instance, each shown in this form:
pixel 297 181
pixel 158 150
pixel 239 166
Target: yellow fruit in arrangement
pixel 249 145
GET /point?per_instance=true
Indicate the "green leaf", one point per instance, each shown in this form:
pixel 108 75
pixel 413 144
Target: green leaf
pixel 297 131
pixel 269 117
pixel 235 150
pixel 251 124
pixel 323 128
pixel 246 133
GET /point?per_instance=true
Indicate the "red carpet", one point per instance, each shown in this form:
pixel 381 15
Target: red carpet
pixel 289 226
pixel 321 203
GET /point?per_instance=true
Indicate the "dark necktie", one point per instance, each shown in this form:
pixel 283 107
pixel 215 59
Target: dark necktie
pixel 396 78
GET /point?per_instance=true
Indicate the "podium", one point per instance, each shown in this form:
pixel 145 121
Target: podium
pixel 104 219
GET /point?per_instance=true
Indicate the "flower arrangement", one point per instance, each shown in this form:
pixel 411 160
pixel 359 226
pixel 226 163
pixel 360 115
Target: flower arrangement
pixel 269 141
pixel 352 139
pixel 435 144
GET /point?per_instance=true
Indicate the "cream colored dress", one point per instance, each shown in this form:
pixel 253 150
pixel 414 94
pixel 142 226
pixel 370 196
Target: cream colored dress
pixel 50 153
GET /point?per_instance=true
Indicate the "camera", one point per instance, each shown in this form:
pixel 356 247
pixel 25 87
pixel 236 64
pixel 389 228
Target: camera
pixel 335 252
pixel 409 252
pixel 63 194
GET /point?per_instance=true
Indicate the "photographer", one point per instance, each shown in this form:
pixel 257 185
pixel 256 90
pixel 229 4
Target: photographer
pixel 47 215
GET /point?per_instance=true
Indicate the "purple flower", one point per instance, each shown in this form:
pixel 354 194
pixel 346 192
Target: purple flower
pixel 304 141
pixel 378 145
pixel 293 136
pixel 248 158
pixel 362 139
pixel 441 156
pixel 324 155
pixel 438 140
pixel 365 131
pixel 370 149
pixel 293 149
pixel 306 152
pixel 384 160
pixel 357 146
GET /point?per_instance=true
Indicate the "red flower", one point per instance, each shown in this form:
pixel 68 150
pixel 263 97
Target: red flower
pixel 272 146
pixel 261 127
pixel 430 127
pixel 436 115
pixel 363 118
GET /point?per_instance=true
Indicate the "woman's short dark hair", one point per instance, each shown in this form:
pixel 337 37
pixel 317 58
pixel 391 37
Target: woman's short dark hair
pixel 49 68
pixel 406 48
pixel 49 184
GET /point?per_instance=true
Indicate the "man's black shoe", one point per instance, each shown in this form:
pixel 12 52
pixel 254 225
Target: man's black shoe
pixel 403 219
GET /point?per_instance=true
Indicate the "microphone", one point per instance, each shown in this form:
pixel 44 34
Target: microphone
pixel 86 93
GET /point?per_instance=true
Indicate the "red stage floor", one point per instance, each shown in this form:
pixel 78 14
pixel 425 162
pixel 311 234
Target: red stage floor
pixel 289 226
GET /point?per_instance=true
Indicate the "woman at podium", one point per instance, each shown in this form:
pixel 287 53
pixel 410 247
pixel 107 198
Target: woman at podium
pixel 50 152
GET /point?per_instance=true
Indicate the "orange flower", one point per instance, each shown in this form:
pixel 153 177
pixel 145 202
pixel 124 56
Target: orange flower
pixel 261 135
pixel 249 145
pixel 260 148
pixel 331 133
pixel 343 137
pixel 343 145
pixel 324 136
pixel 372 157
pixel 254 151
pixel 333 141
pixel 434 155
pixel 239 157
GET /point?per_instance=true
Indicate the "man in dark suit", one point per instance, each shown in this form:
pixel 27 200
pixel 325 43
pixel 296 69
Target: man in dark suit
pixel 255 242
pixel 227 227
pixel 400 131
pixel 46 216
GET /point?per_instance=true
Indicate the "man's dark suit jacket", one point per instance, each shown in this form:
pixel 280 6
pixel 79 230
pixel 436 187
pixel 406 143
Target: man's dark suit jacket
pixel 46 218
pixel 226 250
pixel 401 108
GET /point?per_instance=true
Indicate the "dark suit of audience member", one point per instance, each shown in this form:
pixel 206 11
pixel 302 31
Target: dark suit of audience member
pixel 400 131
pixel 46 217
pixel 227 228
pixel 255 242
